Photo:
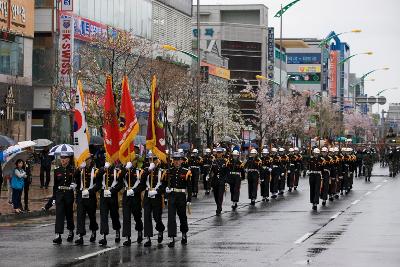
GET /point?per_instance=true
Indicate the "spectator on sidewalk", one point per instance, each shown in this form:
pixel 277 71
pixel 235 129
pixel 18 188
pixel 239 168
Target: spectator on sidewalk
pixel 45 167
pixel 17 185
pixel 27 183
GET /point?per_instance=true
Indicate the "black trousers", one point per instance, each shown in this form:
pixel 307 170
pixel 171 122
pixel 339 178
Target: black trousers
pixel 131 205
pixel 26 195
pixel 234 187
pixel 109 205
pixel 177 205
pixel 325 186
pixel 275 175
pixel 252 179
pixel 64 210
pixel 86 206
pixel 297 174
pixel 153 206
pixel 315 186
pixel 195 179
pixel 333 185
pixel 219 190
pixel 265 177
pixel 47 171
pixel 282 182
pixel 291 178
pixel 206 183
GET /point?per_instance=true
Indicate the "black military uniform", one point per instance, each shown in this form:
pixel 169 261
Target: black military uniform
pixel 346 170
pixel 219 172
pixel 177 182
pixel 131 204
pixel 265 176
pixel 64 193
pixel 298 168
pixel 151 181
pixel 333 177
pixel 291 172
pixel 275 175
pixel 85 179
pixel 284 166
pixel 326 174
pixel 235 175
pixel 195 162
pixel 369 163
pixel 252 167
pixel 315 167
pixel 109 180
pixel 206 167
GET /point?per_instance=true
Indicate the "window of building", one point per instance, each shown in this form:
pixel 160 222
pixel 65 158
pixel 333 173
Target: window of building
pixel 44 3
pixel 11 55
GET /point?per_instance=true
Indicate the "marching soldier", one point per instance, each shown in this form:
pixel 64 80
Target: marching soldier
pixel 195 162
pixel 333 167
pixel 177 182
pixel 291 172
pixel 131 203
pixel 284 162
pixel 252 167
pixel 207 162
pixel 109 183
pixel 326 174
pixel 346 169
pixel 85 179
pixel 368 162
pixel 64 187
pixel 391 161
pixel 298 167
pixel 151 181
pixel 315 169
pixel 218 175
pixel 265 174
pixel 235 175
pixel 275 172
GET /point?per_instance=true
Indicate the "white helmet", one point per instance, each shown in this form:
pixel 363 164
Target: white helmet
pixel 336 149
pixel 235 153
pixel 180 150
pixel 195 150
pixel 331 149
pixel 273 149
pixel 253 151
pixel 281 149
pixel 291 149
pixel 208 150
pixel 265 151
pixel 296 149
pixel 316 151
pixel 350 149
pixel 324 149
pixel 214 150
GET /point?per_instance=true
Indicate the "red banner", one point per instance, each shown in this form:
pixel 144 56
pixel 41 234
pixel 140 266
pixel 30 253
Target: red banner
pixel 128 124
pixel 110 125
pixel 155 139
pixel 333 63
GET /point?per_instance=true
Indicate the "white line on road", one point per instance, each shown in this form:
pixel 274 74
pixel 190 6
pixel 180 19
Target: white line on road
pixel 385 181
pixel 45 225
pixel 84 257
pixel 376 187
pixel 335 216
pixel 303 238
pixel 366 194
pixel 355 202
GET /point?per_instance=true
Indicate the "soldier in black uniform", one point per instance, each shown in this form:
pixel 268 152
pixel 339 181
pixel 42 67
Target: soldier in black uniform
pixel 86 202
pixel 298 167
pixel 208 159
pixel 265 174
pixel 369 163
pixel 315 170
pixel 64 193
pixel 151 182
pixel 275 172
pixel 218 174
pixel 326 174
pixel 346 171
pixel 177 182
pixel 333 171
pixel 252 167
pixel 284 165
pixel 109 183
pixel 235 176
pixel 131 203
pixel 291 172
pixel 195 162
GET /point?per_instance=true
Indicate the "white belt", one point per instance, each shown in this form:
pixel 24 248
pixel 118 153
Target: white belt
pixel 317 172
pixel 178 190
pixel 237 173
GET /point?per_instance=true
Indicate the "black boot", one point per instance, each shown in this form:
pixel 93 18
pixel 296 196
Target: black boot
pixel 103 242
pixel 295 188
pixel 57 240
pixel 184 239
pixel 128 242
pixel 290 189
pixel 331 198
pixel 324 203
pixel 218 212
pixel 253 202
pixel 79 242
pixel 234 206
pixel 93 237
pixel 117 237
pixel 70 237
pixel 147 243
pixel 172 243
pixel 140 237
pixel 314 207
pixel 160 237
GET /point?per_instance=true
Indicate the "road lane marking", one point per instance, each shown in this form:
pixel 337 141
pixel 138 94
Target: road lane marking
pixel 366 194
pixel 385 181
pixel 90 255
pixel 45 225
pixel 335 216
pixel 355 202
pixel 303 238
pixel 376 187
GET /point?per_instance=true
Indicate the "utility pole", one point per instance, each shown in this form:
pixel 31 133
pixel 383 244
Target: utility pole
pixel 198 145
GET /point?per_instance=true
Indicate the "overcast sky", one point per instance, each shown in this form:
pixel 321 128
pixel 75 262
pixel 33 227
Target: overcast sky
pixel 379 21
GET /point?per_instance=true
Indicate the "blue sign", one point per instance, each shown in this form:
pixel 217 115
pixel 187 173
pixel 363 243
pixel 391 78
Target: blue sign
pixel 303 58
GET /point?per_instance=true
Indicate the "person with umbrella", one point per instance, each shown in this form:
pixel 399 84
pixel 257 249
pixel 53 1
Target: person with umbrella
pixel 17 184
pixel 45 168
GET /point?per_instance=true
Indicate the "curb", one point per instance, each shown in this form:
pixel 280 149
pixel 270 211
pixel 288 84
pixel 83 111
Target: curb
pixel 33 214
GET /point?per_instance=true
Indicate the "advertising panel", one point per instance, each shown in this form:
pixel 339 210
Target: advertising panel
pixel 217 71
pixel 19 17
pixel 310 69
pixel 66 48
pixel 303 58
pixel 67 5
pixel 333 61
pixel 86 29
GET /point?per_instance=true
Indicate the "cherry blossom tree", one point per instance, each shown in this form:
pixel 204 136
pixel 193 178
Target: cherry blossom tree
pixel 360 125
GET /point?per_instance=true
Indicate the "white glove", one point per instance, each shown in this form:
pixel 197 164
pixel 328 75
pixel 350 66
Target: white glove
pixel 107 165
pixel 168 190
pixel 72 186
pixel 128 165
pixel 152 166
pixel 129 192
pixel 152 193
pixel 288 171
pixel 85 193
pixel 269 169
pixel 282 174
pixel 83 165
pixel 107 193
pixel 207 177
pixel 189 203
pixel 53 202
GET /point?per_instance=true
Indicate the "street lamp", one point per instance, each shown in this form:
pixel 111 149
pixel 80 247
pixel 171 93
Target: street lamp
pixel 173 48
pixel 328 39
pixel 348 58
pixel 381 92
pixel 372 71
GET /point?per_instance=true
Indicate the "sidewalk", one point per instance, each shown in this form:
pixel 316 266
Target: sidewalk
pixel 37 199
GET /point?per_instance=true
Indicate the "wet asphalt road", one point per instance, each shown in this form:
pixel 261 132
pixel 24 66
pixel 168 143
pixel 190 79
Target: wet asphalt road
pixel 359 229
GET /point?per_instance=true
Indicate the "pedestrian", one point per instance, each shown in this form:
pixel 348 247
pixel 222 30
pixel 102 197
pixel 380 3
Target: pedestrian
pixel 17 185
pixel 275 172
pixel 195 162
pixel 64 186
pixel 208 159
pixel 235 176
pixel 45 168
pixel 326 174
pixel 27 183
pixel 265 174
pixel 368 162
pixel 252 167
pixel 291 172
pixel 218 175
pixel 178 186
pixel 284 165
pixel 86 201
pixel 315 167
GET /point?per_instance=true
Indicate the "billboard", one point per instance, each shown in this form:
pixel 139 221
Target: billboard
pixel 333 62
pixel 303 58
pixel 66 48
pixel 184 6
pixel 17 16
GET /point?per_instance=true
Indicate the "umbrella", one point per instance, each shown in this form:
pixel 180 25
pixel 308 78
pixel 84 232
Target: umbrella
pixel 185 146
pixel 63 148
pixel 9 165
pixel 341 139
pixel 6 141
pixel 26 144
pixel 96 140
pixel 42 142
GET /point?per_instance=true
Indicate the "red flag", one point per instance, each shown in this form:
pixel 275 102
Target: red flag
pixel 110 125
pixel 155 139
pixel 128 124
